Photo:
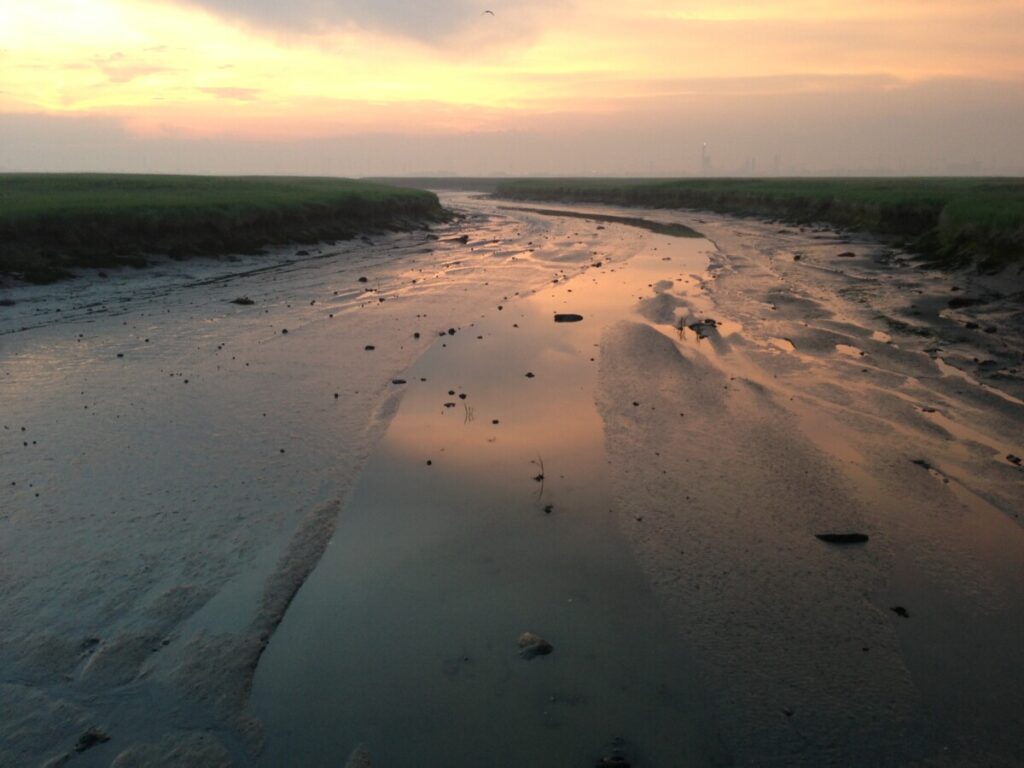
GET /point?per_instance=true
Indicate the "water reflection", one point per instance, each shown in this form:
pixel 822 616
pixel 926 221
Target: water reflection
pixel 464 533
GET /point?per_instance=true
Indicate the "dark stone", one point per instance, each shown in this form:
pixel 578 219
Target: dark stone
pixel 363 280
pixel 90 739
pixel 532 646
pixel 284 330
pixel 842 538
pixel 846 255
pixel 900 611
pixel 959 302
pixel 398 381
pixel 568 318
pixel 922 463
pixel 244 301
pixel 369 347
pixel 529 374
pixel 1014 459
pixel 302 253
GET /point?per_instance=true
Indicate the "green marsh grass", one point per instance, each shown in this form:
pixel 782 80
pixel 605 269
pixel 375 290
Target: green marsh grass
pixel 948 221
pixel 53 223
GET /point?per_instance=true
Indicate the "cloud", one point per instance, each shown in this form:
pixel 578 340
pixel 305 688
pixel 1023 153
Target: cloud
pixel 234 94
pixel 939 126
pixel 429 21
pixel 118 70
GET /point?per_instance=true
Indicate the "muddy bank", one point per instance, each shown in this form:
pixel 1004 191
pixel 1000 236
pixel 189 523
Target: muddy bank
pixel 56 224
pixel 631 446
pixel 950 222
pixel 173 463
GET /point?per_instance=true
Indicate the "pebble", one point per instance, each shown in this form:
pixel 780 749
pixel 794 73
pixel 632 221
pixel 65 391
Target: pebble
pixel 842 538
pixel 531 646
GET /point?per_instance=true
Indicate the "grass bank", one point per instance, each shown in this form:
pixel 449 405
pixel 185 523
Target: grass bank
pixel 53 223
pixel 948 221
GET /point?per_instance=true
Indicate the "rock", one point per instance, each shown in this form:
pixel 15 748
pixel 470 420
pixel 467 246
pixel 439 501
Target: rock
pixel 568 318
pixel 1014 459
pixel 398 381
pixel 244 301
pixel 302 253
pixel 531 646
pixel 616 755
pixel 363 280
pixel 958 302
pixel 90 739
pixel 360 758
pixel 900 611
pixel 704 329
pixel 846 255
pixel 369 348
pixel 842 538
pixel 922 463
pixel 529 374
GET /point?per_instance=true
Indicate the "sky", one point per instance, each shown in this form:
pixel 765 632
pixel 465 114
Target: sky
pixel 563 87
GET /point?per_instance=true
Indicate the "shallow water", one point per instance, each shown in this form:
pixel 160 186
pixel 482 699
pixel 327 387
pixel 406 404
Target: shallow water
pixel 695 617
pixel 405 637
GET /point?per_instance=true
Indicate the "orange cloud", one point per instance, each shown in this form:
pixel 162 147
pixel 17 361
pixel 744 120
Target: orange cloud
pixel 175 67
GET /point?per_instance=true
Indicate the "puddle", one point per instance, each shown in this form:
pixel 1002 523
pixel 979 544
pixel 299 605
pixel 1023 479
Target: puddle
pixel 846 349
pixel 471 524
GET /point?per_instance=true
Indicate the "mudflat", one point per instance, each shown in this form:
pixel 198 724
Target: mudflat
pixel 759 502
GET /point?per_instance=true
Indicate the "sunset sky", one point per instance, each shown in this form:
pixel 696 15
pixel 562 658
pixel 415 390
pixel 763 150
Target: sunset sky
pixel 359 87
